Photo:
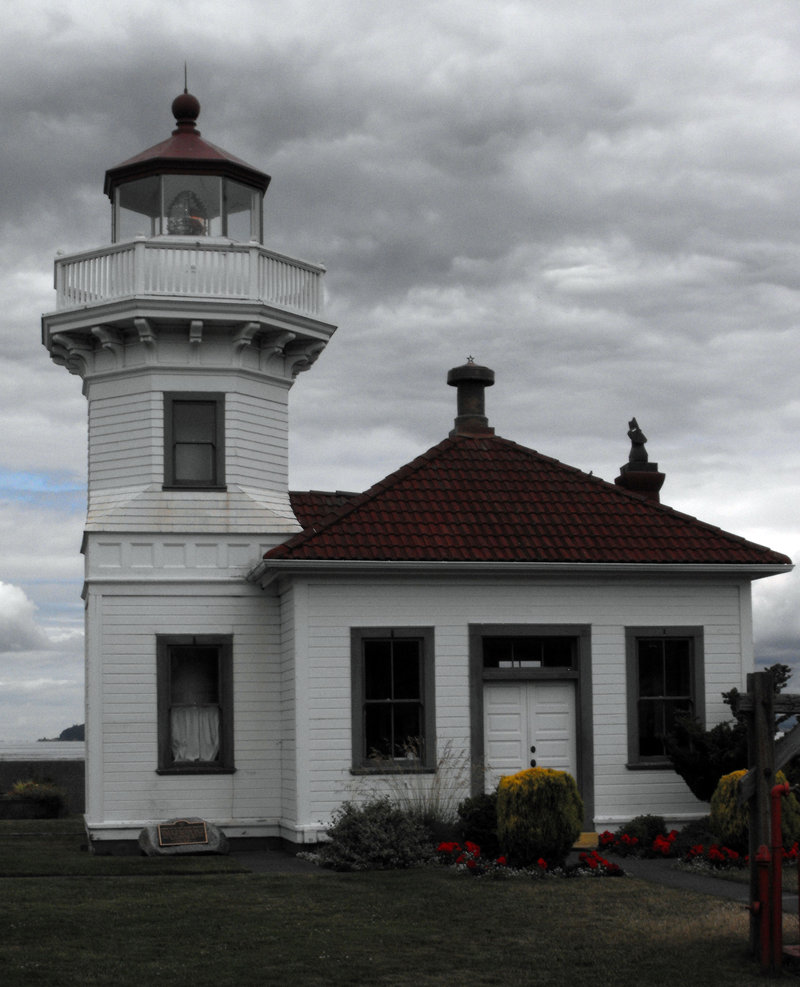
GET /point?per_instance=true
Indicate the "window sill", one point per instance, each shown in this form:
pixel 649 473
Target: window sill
pixel 650 766
pixel 196 769
pixel 208 487
pixel 391 770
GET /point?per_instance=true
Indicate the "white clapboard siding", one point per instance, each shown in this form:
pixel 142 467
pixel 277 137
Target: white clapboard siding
pixel 288 700
pixel 126 456
pixel 126 719
pixel 330 610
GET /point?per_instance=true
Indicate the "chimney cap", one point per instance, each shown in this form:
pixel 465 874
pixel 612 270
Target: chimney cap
pixel 470 371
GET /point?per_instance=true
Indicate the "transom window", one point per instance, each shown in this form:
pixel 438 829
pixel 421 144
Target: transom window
pixel 528 651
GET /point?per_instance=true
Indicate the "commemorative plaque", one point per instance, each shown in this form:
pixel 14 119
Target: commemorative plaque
pixel 183 832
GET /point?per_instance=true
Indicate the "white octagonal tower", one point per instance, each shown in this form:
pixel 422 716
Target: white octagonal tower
pixel 187 333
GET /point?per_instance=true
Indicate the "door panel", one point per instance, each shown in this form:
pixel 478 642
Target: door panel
pixel 521 715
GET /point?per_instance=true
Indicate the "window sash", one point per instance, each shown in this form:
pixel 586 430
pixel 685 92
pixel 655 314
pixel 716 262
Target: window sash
pixel 194 448
pixel 665 679
pixel 393 701
pixel 195 703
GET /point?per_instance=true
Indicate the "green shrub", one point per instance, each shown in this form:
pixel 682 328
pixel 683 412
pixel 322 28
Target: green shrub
pixel 539 815
pixel 698 831
pixel 374 836
pixel 645 829
pixel 729 821
pixel 431 799
pixel 701 757
pixel 40 791
pixel 478 816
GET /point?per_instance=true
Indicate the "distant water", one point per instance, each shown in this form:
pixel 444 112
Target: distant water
pixel 52 750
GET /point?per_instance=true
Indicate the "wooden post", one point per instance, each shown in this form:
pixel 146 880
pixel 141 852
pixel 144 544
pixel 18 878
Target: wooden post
pixel 761 754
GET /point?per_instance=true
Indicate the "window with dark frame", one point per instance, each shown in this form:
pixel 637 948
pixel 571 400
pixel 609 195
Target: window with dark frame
pixel 393 714
pixel 194 446
pixel 665 678
pixel 195 704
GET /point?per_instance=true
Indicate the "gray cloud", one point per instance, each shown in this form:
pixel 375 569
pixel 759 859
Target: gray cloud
pixel 597 200
pixel 18 628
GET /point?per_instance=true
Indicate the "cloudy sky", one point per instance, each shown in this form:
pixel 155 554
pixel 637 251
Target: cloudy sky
pixel 598 200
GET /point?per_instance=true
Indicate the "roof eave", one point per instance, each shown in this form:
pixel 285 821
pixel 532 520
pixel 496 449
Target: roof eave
pixel 270 569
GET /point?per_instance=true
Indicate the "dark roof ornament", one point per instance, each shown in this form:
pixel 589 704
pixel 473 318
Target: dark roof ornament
pixel 638 453
pixel 638 474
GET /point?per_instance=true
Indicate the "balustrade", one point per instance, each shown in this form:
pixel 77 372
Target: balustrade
pixel 175 268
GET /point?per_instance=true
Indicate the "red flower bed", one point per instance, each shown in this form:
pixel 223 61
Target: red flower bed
pixel 599 865
pixel 468 857
pixel 664 846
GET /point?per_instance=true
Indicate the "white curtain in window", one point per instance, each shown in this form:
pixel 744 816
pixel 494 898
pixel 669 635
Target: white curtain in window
pixel 195 733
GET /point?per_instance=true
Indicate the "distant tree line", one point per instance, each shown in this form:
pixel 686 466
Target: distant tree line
pixel 75 732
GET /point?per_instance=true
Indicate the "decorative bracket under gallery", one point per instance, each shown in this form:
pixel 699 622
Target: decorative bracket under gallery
pixel 71 353
pixel 109 339
pixel 245 335
pixel 147 338
pixel 271 343
pixel 302 356
pixel 274 345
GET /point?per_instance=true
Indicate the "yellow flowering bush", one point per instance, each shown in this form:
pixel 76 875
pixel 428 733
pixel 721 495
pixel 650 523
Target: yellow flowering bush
pixel 729 821
pixel 539 815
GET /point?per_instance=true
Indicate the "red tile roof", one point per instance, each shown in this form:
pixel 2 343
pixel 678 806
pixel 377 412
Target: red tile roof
pixel 473 499
pixel 313 506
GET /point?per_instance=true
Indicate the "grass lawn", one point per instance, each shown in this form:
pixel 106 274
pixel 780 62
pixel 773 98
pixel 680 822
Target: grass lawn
pixel 110 924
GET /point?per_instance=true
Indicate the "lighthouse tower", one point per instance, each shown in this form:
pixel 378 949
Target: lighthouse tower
pixel 187 333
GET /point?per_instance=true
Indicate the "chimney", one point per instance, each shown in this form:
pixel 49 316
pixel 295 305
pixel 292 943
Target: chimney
pixel 470 381
pixel 638 475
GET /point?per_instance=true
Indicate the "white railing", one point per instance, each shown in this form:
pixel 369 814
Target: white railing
pixel 175 267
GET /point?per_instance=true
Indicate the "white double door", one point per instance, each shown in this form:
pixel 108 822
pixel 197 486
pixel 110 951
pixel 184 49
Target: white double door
pixel 528 721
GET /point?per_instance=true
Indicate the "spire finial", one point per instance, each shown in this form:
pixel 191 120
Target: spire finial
pixel 185 108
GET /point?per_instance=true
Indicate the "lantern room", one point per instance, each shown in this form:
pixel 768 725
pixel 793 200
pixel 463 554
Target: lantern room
pixel 186 187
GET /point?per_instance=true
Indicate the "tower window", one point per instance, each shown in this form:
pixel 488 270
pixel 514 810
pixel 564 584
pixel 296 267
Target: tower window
pixel 195 703
pixel 194 440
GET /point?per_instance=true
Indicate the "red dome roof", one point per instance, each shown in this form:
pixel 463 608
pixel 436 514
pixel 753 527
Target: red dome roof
pixel 185 152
